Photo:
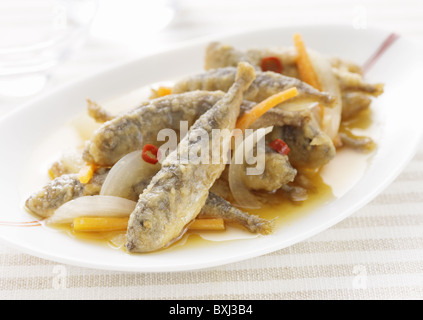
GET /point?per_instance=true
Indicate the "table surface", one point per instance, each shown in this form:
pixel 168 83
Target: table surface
pixel 376 253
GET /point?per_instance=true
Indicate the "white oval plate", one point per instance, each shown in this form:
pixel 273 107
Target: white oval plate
pixel 27 137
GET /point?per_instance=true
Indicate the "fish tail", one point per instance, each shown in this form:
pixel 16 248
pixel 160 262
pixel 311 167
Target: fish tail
pixel 245 74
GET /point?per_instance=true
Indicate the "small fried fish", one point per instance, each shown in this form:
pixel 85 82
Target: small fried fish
pixel 178 191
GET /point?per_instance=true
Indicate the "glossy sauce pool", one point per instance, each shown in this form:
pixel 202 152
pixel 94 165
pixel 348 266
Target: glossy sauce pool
pixel 327 184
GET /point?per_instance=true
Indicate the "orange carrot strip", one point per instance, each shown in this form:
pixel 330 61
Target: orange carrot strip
pixel 86 173
pixel 100 224
pixel 160 92
pixel 207 224
pixel 164 91
pixel 249 117
pixel 304 65
pixel 305 68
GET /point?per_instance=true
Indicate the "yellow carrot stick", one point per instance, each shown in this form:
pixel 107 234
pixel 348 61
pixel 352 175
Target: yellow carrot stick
pixel 207 224
pixel 86 173
pixel 160 92
pixel 100 224
pixel 256 112
pixel 164 91
pixel 104 224
pixel 51 174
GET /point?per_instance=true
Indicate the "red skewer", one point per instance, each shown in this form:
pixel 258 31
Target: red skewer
pixel 383 47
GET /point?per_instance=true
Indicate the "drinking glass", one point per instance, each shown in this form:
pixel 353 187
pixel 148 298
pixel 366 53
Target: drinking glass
pixel 36 36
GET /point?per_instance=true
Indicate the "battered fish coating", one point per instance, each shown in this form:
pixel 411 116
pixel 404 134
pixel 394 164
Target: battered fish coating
pixel 356 93
pixel 353 82
pixel 61 190
pixel 219 55
pixel 310 146
pixel 315 148
pixel 96 112
pixel 349 75
pixel 130 131
pixel 178 191
pixel 265 85
pixel 68 163
pixel 353 103
pixel 216 207
pixel 278 172
pixel 295 117
pixel 279 116
pixel 67 187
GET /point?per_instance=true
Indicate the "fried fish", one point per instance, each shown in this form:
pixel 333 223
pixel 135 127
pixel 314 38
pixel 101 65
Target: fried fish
pixel 178 191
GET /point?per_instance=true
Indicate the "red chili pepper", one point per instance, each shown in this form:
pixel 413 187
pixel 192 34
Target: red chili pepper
pixel 271 64
pixel 280 146
pixel 150 148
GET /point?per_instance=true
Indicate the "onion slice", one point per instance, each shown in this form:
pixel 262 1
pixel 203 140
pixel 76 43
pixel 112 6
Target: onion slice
pixel 127 172
pixel 242 195
pixel 329 83
pixel 92 206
